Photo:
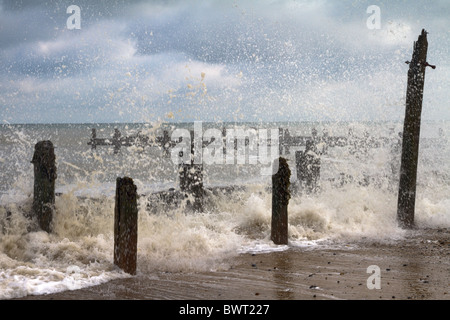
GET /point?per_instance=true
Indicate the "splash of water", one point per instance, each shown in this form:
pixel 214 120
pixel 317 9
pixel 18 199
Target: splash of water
pixel 358 204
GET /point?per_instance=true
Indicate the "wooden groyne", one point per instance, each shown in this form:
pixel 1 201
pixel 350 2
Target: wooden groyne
pixel 411 132
pixel 118 141
pixel 286 140
pixel 307 163
pixel 191 179
pixel 44 184
pixel 280 201
pixel 126 225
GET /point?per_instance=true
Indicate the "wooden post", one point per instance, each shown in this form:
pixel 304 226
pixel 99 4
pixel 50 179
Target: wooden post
pixel 125 225
pixel 280 141
pixel 411 133
pixel 166 143
pixel 287 141
pixel 300 168
pixel 191 179
pixel 44 183
pixel 117 143
pixel 224 143
pixel 191 182
pixel 307 165
pixel 280 201
pixel 93 139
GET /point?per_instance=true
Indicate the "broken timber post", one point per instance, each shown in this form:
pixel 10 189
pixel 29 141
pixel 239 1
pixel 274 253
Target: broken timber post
pixel 300 166
pixel 191 179
pixel 280 201
pixel 125 225
pixel 166 143
pixel 307 165
pixel 93 139
pixel 44 183
pixel 280 140
pixel 411 133
pixel 117 143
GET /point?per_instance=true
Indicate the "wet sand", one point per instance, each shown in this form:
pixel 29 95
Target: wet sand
pixel 416 267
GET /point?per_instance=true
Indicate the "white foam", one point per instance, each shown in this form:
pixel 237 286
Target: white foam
pixel 79 252
pixel 22 280
pixel 263 248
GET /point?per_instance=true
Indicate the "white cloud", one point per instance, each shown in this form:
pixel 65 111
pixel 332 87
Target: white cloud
pixel 303 58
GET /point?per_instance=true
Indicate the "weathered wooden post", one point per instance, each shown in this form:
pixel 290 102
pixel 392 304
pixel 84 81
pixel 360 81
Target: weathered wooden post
pixel 191 179
pixel 307 165
pixel 117 143
pixel 411 132
pixel 224 142
pixel 191 182
pixel 165 143
pixel 44 183
pixel 287 141
pixel 93 139
pixel 280 202
pixel 280 140
pixel 314 137
pixel 300 168
pixel 125 225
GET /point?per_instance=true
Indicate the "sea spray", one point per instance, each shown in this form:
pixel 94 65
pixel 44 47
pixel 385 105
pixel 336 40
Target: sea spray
pixel 355 201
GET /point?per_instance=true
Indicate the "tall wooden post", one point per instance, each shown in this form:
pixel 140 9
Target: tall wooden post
pixel 125 225
pixel 280 202
pixel 411 133
pixel 44 183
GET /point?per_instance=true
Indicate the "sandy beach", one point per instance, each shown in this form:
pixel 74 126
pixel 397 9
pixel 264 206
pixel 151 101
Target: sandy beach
pixel 414 268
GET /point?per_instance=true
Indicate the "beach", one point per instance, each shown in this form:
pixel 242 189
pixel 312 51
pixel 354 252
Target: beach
pixel 416 267
pixel 206 151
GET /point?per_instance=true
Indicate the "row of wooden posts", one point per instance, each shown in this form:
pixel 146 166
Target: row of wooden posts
pixel 126 208
pixel 191 181
pixel 126 214
pixel 286 140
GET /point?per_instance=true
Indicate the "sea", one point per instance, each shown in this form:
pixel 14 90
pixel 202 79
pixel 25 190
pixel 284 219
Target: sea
pixel 355 199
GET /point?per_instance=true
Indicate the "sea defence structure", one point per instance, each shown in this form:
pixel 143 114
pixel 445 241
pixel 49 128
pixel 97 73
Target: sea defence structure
pixel 126 225
pixel 286 140
pixel 44 184
pixel 411 132
pixel 126 207
pixel 280 202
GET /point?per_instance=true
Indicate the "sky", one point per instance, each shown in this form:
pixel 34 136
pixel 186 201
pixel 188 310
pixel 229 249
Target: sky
pixel 218 60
